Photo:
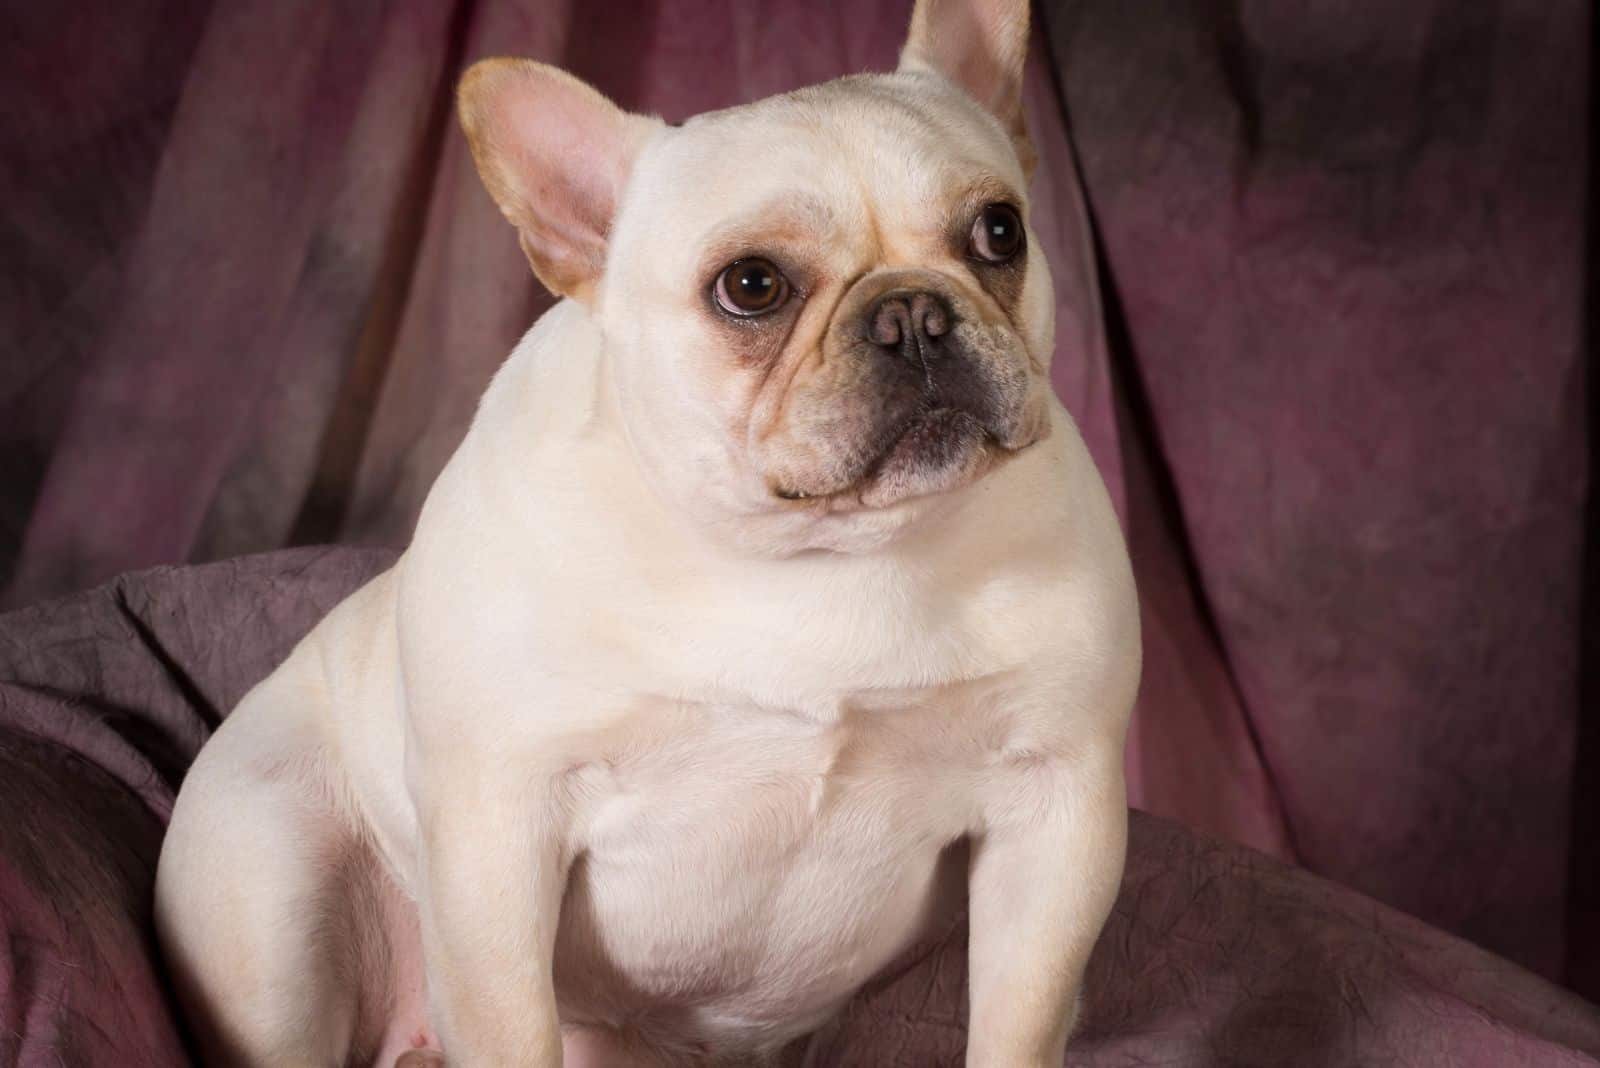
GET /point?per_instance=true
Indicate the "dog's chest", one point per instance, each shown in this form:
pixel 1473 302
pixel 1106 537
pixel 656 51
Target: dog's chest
pixel 745 867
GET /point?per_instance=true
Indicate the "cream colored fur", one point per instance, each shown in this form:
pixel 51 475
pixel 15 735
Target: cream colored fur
pixel 628 757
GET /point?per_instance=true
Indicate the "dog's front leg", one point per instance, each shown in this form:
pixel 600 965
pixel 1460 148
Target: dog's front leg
pixel 495 868
pixel 1043 879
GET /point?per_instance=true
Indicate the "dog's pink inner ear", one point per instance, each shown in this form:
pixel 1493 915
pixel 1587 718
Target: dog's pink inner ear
pixel 980 45
pixel 555 155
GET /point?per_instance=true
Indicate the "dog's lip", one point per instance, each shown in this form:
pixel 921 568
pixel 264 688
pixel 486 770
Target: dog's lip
pixel 849 497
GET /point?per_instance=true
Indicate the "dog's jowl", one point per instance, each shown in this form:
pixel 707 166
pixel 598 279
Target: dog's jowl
pixel 771 611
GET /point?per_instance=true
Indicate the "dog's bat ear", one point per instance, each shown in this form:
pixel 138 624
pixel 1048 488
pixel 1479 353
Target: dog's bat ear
pixel 555 155
pixel 981 46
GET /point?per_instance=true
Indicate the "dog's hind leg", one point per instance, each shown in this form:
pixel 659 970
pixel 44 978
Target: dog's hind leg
pixel 259 902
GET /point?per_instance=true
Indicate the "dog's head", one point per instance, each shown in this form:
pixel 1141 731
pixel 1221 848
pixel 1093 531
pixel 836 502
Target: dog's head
pixel 823 311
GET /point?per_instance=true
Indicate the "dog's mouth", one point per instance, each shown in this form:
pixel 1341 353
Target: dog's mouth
pixel 938 449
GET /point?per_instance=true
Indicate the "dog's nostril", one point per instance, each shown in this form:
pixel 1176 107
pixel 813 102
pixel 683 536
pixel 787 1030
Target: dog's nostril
pixel 891 320
pixel 930 313
pixel 902 317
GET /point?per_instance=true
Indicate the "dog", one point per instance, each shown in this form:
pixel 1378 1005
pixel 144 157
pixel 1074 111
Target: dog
pixel 771 610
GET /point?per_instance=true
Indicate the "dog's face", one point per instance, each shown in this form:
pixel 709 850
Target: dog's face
pixel 824 310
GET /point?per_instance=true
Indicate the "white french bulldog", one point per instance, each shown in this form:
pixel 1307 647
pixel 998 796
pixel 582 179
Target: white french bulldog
pixel 771 606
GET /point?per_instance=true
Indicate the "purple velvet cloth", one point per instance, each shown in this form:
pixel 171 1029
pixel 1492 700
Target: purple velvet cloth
pixel 1214 954
pixel 253 290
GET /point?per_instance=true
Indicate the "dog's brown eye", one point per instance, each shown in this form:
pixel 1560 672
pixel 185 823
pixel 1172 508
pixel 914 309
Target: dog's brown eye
pixel 751 287
pixel 997 233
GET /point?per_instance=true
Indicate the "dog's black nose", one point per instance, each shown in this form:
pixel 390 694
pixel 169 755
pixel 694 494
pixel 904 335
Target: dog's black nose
pixel 909 322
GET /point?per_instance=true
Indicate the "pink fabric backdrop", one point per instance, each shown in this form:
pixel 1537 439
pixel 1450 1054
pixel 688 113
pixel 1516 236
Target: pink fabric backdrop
pixel 255 289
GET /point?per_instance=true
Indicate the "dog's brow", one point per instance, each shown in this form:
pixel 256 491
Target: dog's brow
pixel 988 189
pixel 782 222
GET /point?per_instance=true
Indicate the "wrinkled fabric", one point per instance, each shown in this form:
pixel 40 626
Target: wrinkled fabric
pixel 104 700
pixel 253 290
pixel 1214 954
